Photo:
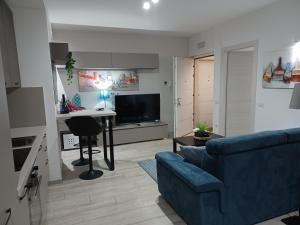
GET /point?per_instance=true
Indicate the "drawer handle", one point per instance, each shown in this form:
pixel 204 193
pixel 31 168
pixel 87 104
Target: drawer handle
pixel 16 83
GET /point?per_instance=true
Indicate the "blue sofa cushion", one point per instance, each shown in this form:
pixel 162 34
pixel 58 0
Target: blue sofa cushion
pixel 244 143
pixel 199 157
pixel 196 178
pixel 293 135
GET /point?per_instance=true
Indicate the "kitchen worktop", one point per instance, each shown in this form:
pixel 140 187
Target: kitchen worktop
pixel 39 134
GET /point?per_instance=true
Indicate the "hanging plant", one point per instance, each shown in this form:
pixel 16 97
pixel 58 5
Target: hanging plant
pixel 70 67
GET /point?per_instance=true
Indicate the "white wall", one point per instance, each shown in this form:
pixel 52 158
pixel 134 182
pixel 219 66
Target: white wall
pixel 150 81
pixel 275 27
pixel 35 68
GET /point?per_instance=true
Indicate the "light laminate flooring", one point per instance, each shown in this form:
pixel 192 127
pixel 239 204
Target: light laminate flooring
pixel 126 196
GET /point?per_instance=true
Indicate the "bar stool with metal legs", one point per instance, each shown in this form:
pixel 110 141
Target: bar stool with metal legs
pixel 81 161
pixel 86 126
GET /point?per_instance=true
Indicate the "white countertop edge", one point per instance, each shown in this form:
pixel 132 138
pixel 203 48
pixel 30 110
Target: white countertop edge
pixel 87 112
pixel 27 167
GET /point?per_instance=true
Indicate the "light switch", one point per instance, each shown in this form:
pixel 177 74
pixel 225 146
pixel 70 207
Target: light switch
pixel 261 105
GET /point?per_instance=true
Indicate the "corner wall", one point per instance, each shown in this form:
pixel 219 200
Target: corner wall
pixel 275 27
pixel 35 68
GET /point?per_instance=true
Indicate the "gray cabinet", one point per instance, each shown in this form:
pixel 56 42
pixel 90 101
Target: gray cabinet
pixel 8 184
pixel 59 53
pixel 98 60
pixel 9 47
pixel 92 60
pixel 135 61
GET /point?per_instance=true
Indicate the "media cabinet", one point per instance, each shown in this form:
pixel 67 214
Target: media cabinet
pixel 125 134
pixel 132 133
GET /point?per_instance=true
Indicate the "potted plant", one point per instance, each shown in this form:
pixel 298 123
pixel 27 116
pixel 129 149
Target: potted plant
pixel 70 67
pixel 202 130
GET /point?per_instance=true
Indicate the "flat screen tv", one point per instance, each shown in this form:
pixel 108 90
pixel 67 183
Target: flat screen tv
pixel 137 108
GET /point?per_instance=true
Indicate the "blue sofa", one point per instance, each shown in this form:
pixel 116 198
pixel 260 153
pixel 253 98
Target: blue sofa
pixel 242 181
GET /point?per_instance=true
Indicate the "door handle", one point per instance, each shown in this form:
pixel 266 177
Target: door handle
pixel 178 101
pixel 8 216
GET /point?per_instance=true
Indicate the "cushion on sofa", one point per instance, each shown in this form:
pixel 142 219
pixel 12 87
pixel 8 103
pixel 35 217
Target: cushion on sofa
pixel 199 157
pixel 245 143
pixel 293 135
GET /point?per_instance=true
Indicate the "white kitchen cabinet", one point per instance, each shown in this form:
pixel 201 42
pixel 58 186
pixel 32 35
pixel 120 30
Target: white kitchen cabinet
pixel 9 47
pixel 8 191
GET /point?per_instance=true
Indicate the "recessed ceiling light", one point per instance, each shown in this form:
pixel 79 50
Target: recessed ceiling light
pixel 146 5
pixel 155 1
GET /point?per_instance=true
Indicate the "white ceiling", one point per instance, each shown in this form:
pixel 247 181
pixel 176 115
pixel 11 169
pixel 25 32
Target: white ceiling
pixel 184 17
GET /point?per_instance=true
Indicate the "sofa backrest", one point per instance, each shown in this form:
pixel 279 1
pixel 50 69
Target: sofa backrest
pixel 261 174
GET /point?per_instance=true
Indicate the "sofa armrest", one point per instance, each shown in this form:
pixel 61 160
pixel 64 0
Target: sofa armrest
pixel 195 177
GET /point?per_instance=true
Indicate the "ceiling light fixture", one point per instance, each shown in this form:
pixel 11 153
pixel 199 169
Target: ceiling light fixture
pixel 155 1
pixel 146 5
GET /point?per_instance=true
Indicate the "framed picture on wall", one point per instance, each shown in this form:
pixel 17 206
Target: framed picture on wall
pixel 281 69
pixel 115 80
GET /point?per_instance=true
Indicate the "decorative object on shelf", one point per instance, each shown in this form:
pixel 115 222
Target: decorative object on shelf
pixel 77 100
pixel 115 80
pixel 288 73
pixel 202 131
pixel 296 72
pixel 278 73
pixel 268 73
pixel 70 67
pixel 63 106
pixel 104 95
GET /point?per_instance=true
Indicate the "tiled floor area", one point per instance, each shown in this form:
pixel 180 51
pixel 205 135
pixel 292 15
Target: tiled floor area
pixel 126 196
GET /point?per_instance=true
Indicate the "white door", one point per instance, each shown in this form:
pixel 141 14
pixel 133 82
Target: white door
pixel 204 88
pixel 239 107
pixel 183 95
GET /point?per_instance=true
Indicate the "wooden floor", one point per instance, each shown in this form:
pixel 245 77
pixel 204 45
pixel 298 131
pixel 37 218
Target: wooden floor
pixel 125 196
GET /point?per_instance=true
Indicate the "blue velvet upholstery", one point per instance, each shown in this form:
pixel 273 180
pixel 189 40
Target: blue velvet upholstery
pixel 256 178
pixel 199 157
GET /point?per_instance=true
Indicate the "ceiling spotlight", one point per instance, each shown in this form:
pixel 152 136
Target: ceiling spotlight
pixel 147 5
pixel 155 1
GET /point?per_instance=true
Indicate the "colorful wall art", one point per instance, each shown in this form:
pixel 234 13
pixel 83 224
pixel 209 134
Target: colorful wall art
pixel 282 69
pixel 114 80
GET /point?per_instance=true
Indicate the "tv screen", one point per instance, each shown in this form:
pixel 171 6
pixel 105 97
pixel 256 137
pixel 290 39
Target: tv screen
pixel 137 108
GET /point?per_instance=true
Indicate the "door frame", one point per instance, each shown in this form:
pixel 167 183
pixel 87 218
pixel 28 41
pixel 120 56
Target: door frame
pixel 224 79
pixel 175 90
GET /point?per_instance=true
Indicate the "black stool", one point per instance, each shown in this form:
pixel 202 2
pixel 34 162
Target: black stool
pixel 81 161
pixel 86 126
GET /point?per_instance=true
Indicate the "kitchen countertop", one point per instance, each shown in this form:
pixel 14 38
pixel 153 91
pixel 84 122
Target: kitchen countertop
pixel 24 174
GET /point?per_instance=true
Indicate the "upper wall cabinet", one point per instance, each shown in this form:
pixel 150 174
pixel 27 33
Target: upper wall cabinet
pixel 9 47
pixel 135 61
pixel 92 60
pixel 98 60
pixel 59 53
